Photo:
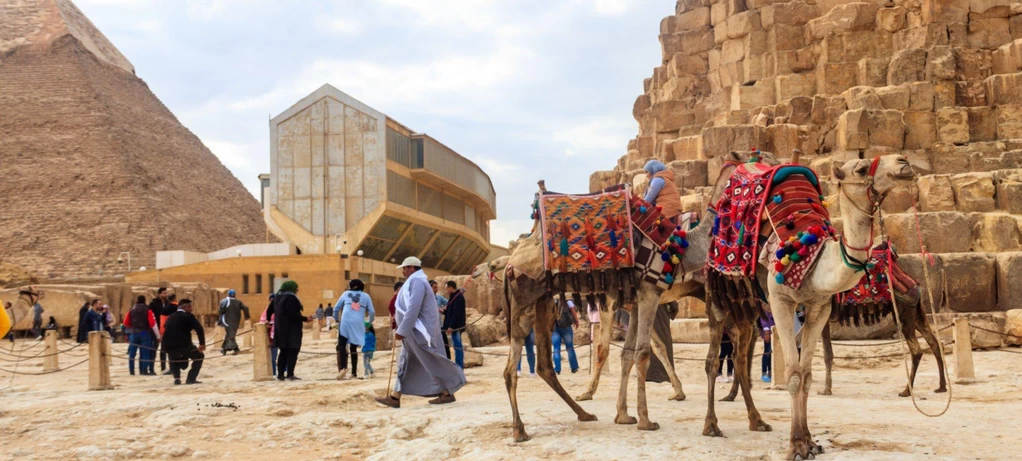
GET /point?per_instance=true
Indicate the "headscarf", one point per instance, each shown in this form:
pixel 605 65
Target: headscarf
pixel 356 285
pixel 289 286
pixel 654 166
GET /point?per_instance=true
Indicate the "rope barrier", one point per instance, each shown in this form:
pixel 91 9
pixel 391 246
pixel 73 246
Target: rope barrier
pixel 40 355
pixel 994 332
pixel 15 372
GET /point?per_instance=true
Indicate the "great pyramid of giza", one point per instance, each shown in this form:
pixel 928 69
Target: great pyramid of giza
pixel 92 163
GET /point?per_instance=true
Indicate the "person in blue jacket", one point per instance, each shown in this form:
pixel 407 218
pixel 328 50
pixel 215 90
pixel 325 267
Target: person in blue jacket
pixel 351 310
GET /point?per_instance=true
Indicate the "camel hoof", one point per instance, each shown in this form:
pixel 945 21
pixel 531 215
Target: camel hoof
pixel 586 417
pixel 816 449
pixel 825 392
pixel 649 426
pixel 728 398
pixel 760 426
pixel 802 450
pixel 584 397
pixel 625 420
pixel 679 397
pixel 905 393
pixel 521 436
pixel 711 430
pixel 940 390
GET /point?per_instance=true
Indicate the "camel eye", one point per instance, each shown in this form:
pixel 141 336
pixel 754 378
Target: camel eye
pixel 861 171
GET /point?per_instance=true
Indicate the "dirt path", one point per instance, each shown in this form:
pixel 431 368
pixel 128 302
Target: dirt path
pixel 53 417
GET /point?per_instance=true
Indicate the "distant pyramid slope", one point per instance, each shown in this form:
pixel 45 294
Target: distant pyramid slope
pixel 41 22
pixel 93 164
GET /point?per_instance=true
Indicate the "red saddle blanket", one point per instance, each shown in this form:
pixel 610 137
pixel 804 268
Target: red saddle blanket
pixel 876 287
pixel 586 232
pixel 790 197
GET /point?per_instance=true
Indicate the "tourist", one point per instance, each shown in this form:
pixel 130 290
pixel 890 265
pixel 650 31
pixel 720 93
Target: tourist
pixel 267 319
pixel 83 327
pixel 231 309
pixel 454 320
pixel 287 329
pixel 422 369
pixel 393 300
pixel 320 314
pixel 108 318
pixel 168 309
pixel 530 354
pixel 329 314
pixel 663 193
pixel 727 350
pixel 140 326
pixel 369 348
pixel 51 324
pixel 593 313
pixel 94 321
pixel 766 324
pixel 352 308
pixel 441 303
pixel 563 332
pixel 177 343
pixel 5 322
pixel 37 321
pixel 159 304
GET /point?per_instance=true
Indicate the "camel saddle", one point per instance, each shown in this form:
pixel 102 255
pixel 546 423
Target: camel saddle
pixel 870 300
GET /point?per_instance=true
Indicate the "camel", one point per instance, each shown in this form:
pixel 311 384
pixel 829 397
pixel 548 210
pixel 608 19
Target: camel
pixel 862 184
pixel 530 303
pixel 22 307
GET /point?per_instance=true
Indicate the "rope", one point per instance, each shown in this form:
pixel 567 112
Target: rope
pixel 39 355
pixel 994 332
pixel 16 372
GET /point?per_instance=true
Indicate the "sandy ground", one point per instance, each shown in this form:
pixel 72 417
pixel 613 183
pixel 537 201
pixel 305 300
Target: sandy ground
pixel 55 417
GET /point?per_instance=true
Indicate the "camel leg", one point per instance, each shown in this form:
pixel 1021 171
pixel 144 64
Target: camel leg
pixel 736 350
pixel 717 318
pixel 746 336
pixel 801 442
pixel 660 350
pixel 647 308
pixel 908 331
pixel 931 339
pixel 627 360
pixel 602 352
pixel 828 360
pixel 748 349
pixel 784 312
pixel 511 381
pixel 544 357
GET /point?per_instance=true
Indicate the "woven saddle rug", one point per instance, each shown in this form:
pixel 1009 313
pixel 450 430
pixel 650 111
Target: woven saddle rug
pixel 589 232
pixel 788 199
pixel 870 300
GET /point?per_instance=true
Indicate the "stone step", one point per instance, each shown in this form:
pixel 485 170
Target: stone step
pixel 955 232
pixel 967 282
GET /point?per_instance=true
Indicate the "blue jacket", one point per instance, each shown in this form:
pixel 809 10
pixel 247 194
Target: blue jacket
pixel 370 345
pixel 351 322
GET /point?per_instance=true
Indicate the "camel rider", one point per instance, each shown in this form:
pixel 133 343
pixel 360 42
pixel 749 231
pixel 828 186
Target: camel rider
pixel 663 192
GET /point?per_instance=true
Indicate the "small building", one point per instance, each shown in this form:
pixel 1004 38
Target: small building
pixel 351 192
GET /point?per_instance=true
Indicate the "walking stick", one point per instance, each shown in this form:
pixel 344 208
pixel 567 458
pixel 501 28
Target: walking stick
pixel 393 353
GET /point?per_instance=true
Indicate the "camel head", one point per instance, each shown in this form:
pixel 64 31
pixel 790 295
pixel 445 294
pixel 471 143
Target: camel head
pixel 880 176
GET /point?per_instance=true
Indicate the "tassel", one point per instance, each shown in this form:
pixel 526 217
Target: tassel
pixel 778 267
pixel 777 199
pixel 684 243
pixel 666 256
pixel 669 279
pixel 564 246
pixel 779 253
pixel 785 260
pixel 675 259
pixel 803 252
pixel 779 279
pixel 668 268
pixel 795 257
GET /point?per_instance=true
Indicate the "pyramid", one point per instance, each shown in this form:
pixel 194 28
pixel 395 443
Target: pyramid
pixel 92 164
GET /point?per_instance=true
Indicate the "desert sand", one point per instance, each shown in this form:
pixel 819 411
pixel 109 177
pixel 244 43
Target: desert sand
pixel 231 417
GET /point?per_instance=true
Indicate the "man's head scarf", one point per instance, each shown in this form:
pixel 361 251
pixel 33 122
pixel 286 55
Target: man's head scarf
pixel 289 286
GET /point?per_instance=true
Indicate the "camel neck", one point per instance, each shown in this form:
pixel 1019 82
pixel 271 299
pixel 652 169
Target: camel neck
pixel 857 225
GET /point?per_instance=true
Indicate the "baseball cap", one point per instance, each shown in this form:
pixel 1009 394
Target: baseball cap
pixel 410 261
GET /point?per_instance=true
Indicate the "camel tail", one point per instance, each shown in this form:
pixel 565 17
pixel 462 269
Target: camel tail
pixel 507 301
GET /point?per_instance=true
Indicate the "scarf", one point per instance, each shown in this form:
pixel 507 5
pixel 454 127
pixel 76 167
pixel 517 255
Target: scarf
pixel 404 299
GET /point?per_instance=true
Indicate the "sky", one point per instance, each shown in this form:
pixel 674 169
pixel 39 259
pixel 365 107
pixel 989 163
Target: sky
pixel 527 89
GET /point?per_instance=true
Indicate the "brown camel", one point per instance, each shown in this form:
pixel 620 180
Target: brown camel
pixel 863 185
pixel 22 307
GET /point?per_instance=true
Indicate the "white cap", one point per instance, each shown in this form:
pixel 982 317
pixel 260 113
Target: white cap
pixel 410 261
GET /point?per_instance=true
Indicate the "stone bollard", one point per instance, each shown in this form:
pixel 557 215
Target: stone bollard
pixel 99 361
pixel 315 329
pixel 964 369
pixel 250 335
pixel 778 373
pixel 261 368
pixel 50 360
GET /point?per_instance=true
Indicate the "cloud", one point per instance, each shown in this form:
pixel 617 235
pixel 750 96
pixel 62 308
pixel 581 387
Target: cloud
pixel 611 7
pixel 233 155
pixel 339 26
pixel 595 134
pixel 507 230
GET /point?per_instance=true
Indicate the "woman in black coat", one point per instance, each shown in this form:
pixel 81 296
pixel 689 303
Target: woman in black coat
pixel 287 329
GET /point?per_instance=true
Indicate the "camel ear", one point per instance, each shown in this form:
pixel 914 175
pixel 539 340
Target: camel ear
pixel 839 174
pixel 734 157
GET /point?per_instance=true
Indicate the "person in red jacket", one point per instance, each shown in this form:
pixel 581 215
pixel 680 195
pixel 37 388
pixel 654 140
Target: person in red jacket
pixel 140 325
pixel 391 307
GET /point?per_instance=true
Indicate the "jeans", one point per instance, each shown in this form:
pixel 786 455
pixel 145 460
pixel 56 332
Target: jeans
pixel 145 353
pixel 179 361
pixel 766 358
pixel 459 350
pixel 368 356
pixel 447 344
pixel 567 335
pixel 726 350
pixel 273 359
pixel 37 328
pixel 530 352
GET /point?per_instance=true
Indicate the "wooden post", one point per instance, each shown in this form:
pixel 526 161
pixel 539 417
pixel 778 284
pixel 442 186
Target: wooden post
pixel 261 369
pixel 99 361
pixel 50 359
pixel 108 348
pixel 963 350
pixel 315 329
pixel 777 373
pixel 250 335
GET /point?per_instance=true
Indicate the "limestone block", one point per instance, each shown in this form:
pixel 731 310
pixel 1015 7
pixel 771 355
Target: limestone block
pixel 843 18
pixel 752 96
pixel 936 193
pixel 688 148
pixel 1004 89
pixel 899 200
pixel 600 180
pixel 887 129
pixel 472 358
pixel 893 97
pixel 861 97
pixel 853 130
pixel 1009 197
pixel 717 140
pixel 827 109
pixel 691 20
pixel 1016 26
pixel 682 6
pixel 944 94
pixel 743 24
pixel 920 129
pixel 720 34
pixel 718 14
pixel 989 33
pixel 757 66
pixel 974 191
pixel 985 328
pixel 921 96
pixel 690 331
pixel 982 124
pixel 943 232
pixel 940 63
pixel 971 281
pixel 873 71
pixel 972 64
pixel 796 110
pixel 1007 58
pixel 796 61
pixel 994 232
pixel 483 329
pixel 907 66
pixel 784 37
pixel 1013 317
pixel 835 78
pixel 796 13
pixel 1009 121
pixel 784 138
pixel 689 42
pixel 732 74
pixel 672 115
pixel 748 136
pixel 934 284
pixel 793 85
pixel 990 8
pixel 891 19
pixel 970 94
pixel 953 125
pixel 689 173
pixel 945 11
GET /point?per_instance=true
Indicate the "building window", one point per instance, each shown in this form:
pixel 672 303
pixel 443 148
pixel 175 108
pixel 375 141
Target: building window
pixel 347 275
pixel 259 283
pixel 244 284
pixel 272 288
pixel 283 274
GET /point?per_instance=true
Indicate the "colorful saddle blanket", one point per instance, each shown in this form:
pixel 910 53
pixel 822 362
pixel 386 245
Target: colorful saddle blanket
pixel 790 196
pixel 586 232
pixel 874 288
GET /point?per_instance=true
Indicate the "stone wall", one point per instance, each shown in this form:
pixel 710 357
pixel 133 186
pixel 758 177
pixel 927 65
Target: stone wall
pixel 938 81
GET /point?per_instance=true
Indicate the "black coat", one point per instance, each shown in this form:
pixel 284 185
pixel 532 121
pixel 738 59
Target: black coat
pixel 158 308
pixel 454 316
pixel 83 333
pixel 287 321
pixel 177 333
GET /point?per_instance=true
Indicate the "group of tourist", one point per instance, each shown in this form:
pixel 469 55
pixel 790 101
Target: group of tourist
pixel 563 333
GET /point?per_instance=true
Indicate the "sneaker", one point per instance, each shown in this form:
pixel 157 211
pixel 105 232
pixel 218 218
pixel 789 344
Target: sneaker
pixel 574 371
pixel 132 373
pixel 533 375
pixel 730 378
pixel 293 378
pixel 766 378
pixel 236 351
pixel 280 378
pixel 721 379
pixel 177 382
pixel 193 382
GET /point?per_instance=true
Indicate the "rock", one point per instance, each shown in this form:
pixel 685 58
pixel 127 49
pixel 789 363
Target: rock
pixel 1009 121
pixel 982 124
pixel 797 110
pixel 743 24
pixel 985 329
pixel 995 232
pixel 1004 89
pixel 970 94
pixel 601 180
pixel 940 63
pixel 690 331
pixel 853 130
pixel 893 97
pixel 920 129
pixel 861 97
pixel 887 129
pixel 784 138
pixel 953 125
pixel 971 281
pixel 843 18
pixel 1009 196
pixel 942 232
pixel 972 64
pixel 891 19
pixel 989 33
pixel 834 78
pixel 750 97
pixel 974 191
pixel 907 66
pixel 945 11
pixel 1007 59
pixel 1009 284
pixel 1013 327
pixel 689 173
pixel 796 13
pixel 873 71
pixel 483 330
pixel 473 358
pixel 921 96
pixel 935 193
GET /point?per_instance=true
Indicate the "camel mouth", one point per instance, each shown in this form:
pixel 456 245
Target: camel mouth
pixel 905 173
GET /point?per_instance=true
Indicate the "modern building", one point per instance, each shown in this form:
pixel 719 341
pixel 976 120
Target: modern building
pixel 350 193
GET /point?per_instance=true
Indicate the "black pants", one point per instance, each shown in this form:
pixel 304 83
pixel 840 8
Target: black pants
pixel 726 350
pixel 286 360
pixel 767 351
pixel 342 355
pixel 179 361
pixel 447 344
